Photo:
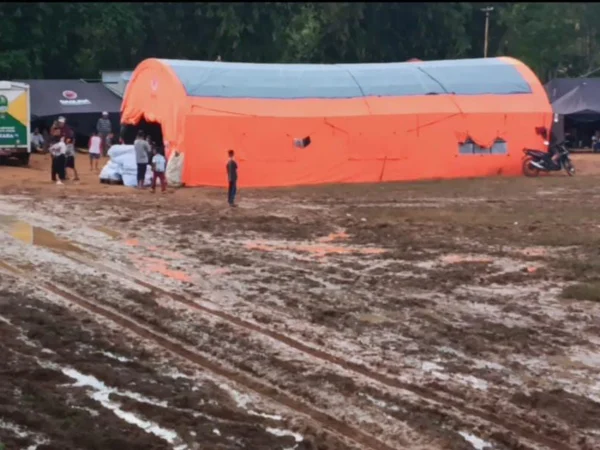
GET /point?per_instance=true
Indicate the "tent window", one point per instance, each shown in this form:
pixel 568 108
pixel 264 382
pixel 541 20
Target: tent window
pixel 500 147
pixel 469 147
pixel 477 150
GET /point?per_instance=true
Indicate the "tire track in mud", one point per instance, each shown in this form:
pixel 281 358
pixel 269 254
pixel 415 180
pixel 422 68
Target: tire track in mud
pixel 523 432
pixel 325 421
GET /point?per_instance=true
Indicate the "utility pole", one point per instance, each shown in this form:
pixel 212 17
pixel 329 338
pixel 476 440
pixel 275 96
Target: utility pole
pixel 487 10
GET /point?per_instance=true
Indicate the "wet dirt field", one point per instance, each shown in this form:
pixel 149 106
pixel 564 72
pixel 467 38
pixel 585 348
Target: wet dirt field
pixel 436 315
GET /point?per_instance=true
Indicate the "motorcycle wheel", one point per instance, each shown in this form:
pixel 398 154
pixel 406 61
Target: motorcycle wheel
pixel 528 169
pixel 569 168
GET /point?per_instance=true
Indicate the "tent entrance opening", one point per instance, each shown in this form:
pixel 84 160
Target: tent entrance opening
pixel 580 130
pixel 152 129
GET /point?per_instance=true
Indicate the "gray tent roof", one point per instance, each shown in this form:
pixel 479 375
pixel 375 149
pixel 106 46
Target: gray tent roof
pixel 560 86
pixel 294 81
pixel 584 98
pixel 61 97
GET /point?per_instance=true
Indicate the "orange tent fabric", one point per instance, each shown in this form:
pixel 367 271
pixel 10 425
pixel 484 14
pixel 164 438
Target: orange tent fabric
pixel 365 122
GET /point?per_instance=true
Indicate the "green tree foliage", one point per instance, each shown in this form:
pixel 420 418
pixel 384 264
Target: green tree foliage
pixel 554 39
pixel 77 40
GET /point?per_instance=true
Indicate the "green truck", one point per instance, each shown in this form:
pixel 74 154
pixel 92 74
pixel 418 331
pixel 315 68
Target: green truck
pixel 15 123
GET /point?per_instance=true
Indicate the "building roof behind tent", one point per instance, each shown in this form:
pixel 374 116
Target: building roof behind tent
pixel 115 76
pixel 295 81
pixel 116 81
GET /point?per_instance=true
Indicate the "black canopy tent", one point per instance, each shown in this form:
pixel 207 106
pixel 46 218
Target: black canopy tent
pixel 582 101
pixel 79 102
pixel 560 86
pixel 576 106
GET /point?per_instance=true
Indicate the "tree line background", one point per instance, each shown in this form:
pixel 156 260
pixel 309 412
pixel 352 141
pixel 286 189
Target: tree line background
pixel 77 40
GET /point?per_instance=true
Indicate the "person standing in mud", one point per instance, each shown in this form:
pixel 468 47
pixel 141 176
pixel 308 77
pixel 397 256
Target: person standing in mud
pixel 104 129
pixel 58 152
pixel 232 176
pixel 70 157
pixel 95 151
pixel 62 129
pixel 159 165
pixel 142 150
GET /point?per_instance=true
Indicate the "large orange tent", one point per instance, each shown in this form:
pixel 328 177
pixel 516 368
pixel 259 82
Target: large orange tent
pixel 293 124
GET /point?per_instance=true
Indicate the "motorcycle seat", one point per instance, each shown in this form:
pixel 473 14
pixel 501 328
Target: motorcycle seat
pixel 537 153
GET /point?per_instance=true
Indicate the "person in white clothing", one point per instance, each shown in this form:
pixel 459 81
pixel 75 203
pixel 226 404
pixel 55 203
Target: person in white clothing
pixel 58 152
pixel 95 149
pixel 159 165
pixel 70 158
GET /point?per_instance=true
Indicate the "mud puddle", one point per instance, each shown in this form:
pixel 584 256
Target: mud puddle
pixel 109 232
pixel 37 236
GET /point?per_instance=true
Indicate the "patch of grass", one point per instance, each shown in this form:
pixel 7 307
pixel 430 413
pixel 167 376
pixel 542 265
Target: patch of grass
pixel 583 291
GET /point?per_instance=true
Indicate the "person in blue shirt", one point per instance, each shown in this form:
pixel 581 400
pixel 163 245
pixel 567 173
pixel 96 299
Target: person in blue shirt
pixel 232 176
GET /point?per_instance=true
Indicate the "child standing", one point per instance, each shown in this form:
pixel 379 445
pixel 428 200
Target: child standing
pixel 95 148
pixel 58 151
pixel 159 165
pixel 70 157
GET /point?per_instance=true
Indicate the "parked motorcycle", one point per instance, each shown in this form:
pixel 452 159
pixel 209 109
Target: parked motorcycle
pixel 536 161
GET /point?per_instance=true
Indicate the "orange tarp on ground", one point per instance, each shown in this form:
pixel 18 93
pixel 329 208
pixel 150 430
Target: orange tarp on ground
pixel 366 122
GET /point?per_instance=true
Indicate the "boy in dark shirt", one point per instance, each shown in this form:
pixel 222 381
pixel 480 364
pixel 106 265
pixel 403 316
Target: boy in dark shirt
pixel 231 169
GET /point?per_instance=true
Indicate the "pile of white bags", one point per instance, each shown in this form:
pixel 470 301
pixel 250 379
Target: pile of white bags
pixel 122 166
pixel 174 169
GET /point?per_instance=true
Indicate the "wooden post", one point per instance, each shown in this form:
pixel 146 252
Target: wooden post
pixel 487 12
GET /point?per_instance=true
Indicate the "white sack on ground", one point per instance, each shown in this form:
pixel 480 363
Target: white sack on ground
pixel 110 171
pixel 175 169
pixel 122 164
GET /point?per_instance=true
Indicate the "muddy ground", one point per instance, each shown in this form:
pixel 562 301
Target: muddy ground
pixel 436 315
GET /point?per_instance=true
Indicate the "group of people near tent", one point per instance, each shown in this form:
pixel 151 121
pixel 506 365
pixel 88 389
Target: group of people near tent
pixel 42 140
pixel 146 153
pixel 61 146
pixel 62 150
